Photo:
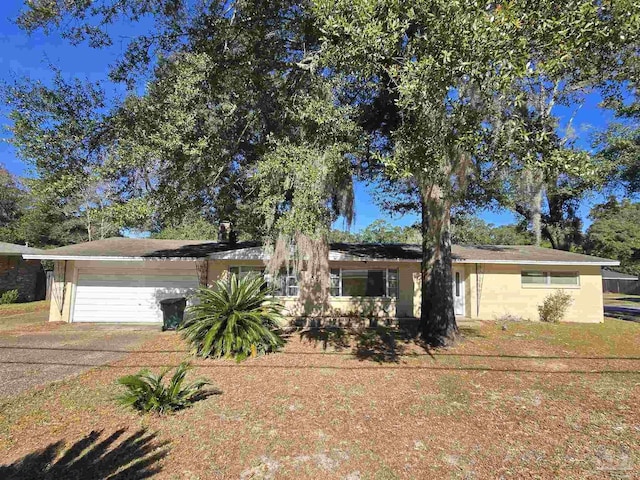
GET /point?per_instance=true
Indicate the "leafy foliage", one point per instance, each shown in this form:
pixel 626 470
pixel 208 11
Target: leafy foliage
pixel 442 88
pixel 263 116
pixel 555 306
pixel 190 228
pixel 467 230
pixel 10 296
pixel 12 199
pixel 237 318
pixel 619 145
pixel 147 392
pixel 615 233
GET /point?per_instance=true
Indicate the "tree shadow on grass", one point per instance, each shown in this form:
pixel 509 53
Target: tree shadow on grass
pixel 336 338
pixel 381 344
pixel 469 332
pixel 134 457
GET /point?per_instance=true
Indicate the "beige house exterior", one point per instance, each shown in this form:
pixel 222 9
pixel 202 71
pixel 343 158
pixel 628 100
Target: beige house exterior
pixel 123 280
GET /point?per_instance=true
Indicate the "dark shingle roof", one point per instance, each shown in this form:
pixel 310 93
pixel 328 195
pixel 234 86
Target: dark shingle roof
pixel 469 253
pixel 144 247
pixel 13 249
pixel 154 248
pixel 611 274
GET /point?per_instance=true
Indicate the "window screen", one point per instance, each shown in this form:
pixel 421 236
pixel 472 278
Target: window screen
pixel 550 278
pixel 564 278
pixel 392 282
pixel 534 278
pixel 364 283
pixel 336 289
pixel 354 283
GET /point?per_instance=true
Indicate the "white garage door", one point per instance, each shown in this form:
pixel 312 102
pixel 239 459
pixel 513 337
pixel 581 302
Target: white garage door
pixel 127 297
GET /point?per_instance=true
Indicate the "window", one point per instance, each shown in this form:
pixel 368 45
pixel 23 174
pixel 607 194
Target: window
pixel 534 278
pixel 285 283
pixel 550 278
pixel 244 271
pixel 563 278
pixel 364 283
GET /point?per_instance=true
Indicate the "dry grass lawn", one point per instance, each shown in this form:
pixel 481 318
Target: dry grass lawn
pixel 532 401
pixel 19 315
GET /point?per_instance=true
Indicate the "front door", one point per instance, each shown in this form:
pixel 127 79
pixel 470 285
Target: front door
pixel 458 292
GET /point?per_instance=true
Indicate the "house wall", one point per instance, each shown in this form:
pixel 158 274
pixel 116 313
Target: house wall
pixel 403 306
pixel 26 276
pixel 490 292
pixel 497 291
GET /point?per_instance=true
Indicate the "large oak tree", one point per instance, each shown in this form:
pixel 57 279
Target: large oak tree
pixel 262 103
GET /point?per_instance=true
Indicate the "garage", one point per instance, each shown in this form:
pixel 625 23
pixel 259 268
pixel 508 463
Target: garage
pixel 123 280
pixel 127 298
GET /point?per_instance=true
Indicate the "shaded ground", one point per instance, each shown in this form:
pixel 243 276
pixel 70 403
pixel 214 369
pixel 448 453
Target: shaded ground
pixel 621 299
pixel 532 401
pixel 623 312
pixel 20 315
pixel 36 356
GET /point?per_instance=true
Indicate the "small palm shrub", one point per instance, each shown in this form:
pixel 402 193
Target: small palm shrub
pixel 10 296
pixel 147 392
pixel 237 318
pixel 555 306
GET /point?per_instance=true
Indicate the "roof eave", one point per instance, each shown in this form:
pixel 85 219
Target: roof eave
pixel 598 263
pixel 231 256
pixel 107 258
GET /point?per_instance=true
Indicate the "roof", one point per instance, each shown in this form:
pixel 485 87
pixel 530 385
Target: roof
pixel 120 248
pixel 148 248
pixel 613 275
pixel 13 249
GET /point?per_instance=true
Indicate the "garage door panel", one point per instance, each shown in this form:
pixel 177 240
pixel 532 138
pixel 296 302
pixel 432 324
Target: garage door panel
pixel 130 292
pixel 127 297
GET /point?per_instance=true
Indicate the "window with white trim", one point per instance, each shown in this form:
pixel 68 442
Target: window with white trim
pixel 534 277
pixel 364 283
pixel 285 283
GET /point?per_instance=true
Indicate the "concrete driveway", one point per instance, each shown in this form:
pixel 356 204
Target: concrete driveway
pixel 31 359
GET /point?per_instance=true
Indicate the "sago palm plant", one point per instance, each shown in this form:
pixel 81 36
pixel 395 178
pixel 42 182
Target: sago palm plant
pixel 147 392
pixel 236 318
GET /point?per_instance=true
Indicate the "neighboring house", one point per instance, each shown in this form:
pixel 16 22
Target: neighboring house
pixel 16 273
pixel 618 282
pixel 122 279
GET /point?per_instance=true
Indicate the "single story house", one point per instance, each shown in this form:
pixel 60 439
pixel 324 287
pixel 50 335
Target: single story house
pixel 16 273
pixel 619 282
pixel 123 279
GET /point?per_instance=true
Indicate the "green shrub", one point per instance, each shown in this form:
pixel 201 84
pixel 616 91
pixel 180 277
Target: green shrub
pixel 147 392
pixel 237 318
pixel 10 296
pixel 555 306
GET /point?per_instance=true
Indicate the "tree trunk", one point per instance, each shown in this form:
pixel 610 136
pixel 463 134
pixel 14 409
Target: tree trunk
pixel 536 213
pixel 437 318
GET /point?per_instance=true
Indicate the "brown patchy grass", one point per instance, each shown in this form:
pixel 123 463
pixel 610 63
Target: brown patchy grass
pixel 20 315
pixel 534 401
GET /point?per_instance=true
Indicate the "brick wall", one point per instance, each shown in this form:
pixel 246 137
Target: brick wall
pixel 27 276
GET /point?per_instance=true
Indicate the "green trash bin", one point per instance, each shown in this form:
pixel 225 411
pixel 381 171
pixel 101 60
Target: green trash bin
pixel 172 312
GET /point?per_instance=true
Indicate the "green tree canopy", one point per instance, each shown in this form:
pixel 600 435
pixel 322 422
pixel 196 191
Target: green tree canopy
pixel 615 233
pixel 261 113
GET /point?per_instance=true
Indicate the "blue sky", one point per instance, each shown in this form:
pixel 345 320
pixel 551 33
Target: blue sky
pixel 22 55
